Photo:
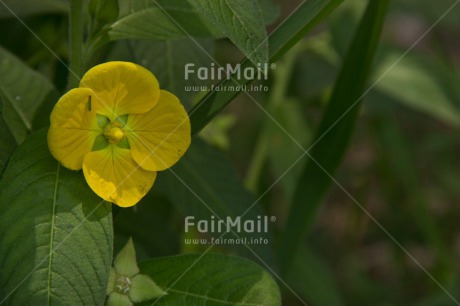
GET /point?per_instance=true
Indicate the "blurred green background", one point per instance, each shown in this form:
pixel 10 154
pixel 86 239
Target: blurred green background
pixel 388 232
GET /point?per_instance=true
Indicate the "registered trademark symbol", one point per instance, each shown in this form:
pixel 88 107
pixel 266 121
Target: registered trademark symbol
pixel 273 66
pixel 272 218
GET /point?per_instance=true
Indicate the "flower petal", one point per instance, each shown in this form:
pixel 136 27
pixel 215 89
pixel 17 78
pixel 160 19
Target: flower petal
pixel 112 280
pixel 73 128
pixel 159 138
pixel 143 288
pixel 118 299
pixel 114 176
pixel 121 88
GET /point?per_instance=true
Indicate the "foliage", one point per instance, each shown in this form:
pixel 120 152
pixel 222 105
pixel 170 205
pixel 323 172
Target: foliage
pixel 349 152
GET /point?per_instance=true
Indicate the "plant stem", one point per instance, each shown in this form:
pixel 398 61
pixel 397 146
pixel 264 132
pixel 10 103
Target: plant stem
pixel 76 43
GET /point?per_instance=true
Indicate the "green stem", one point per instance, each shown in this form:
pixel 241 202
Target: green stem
pixel 76 43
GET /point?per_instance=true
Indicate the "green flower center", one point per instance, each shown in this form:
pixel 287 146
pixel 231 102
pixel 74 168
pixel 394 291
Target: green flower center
pixel 123 284
pixel 114 133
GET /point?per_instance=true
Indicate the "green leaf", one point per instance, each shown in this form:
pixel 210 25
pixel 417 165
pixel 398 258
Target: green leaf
pixel 159 24
pixel 335 130
pixel 309 14
pixel 24 93
pixel 241 21
pixel 414 84
pixel 26 8
pixel 56 246
pixel 211 279
pixel 203 183
pixel 7 143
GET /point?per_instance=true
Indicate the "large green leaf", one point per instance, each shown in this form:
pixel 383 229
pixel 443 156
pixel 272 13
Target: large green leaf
pixel 241 21
pixel 56 234
pixel 204 185
pixel 309 14
pixel 159 24
pixel 24 93
pixel 7 143
pixel 211 279
pixel 334 132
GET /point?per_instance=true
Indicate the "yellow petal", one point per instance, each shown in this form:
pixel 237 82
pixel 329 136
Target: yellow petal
pixel 121 88
pixel 159 138
pixel 73 128
pixel 114 176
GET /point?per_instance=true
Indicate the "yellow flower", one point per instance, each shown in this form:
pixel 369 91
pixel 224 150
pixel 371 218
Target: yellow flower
pixel 120 128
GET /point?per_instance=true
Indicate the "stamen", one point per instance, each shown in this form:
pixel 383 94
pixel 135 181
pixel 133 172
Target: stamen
pixel 123 284
pixel 114 132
